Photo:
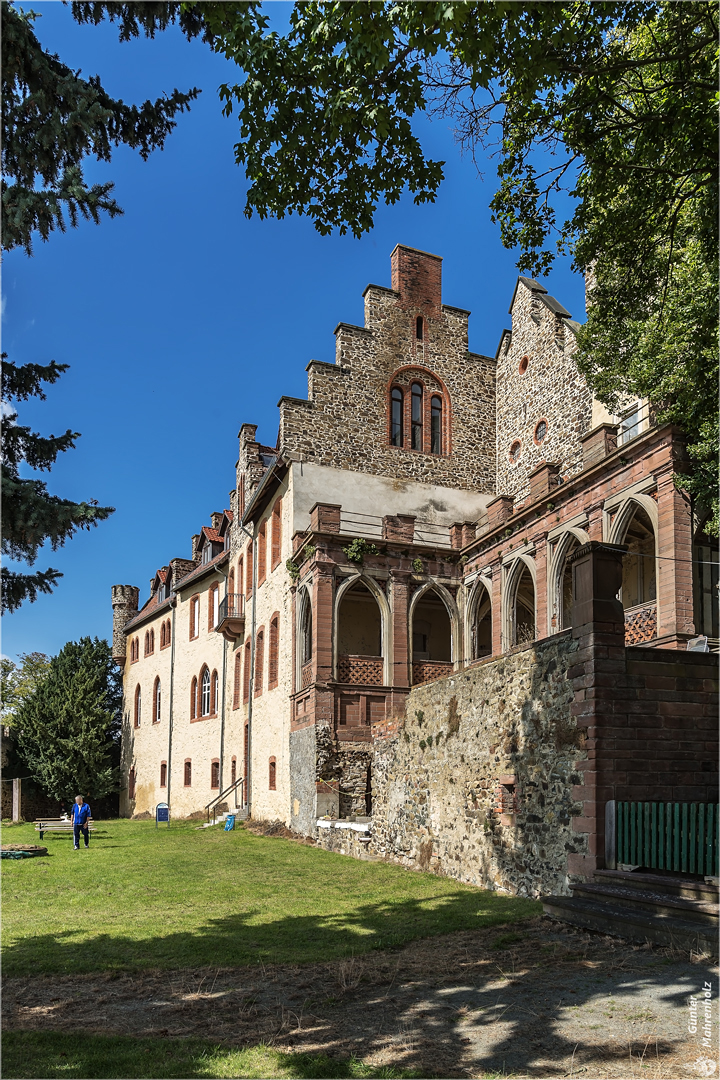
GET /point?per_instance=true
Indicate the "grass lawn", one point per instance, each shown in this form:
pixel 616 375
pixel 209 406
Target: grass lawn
pixel 142 897
pixel 38 1055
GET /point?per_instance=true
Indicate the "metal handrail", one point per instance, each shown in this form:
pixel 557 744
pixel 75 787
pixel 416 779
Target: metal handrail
pixel 231 606
pixel 213 802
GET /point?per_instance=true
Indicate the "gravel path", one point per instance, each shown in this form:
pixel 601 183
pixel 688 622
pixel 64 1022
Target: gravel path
pixel 540 1000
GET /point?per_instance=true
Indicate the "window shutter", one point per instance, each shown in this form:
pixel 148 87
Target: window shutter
pixel 273 651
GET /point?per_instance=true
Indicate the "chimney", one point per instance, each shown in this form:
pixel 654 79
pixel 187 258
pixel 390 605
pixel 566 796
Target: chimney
pixel 216 519
pixel 195 541
pixel 417 276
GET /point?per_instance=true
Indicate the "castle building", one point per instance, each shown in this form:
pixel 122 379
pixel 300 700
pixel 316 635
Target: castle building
pixel 416 519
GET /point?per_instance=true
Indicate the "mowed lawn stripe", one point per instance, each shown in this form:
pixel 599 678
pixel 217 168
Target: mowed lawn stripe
pixel 143 897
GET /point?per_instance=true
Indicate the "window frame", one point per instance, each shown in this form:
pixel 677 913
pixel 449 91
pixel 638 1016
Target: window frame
pixel 273 651
pixel 259 661
pixel 213 606
pixel 137 706
pixel 187 772
pixel 204 693
pixel 416 435
pixel 163 774
pixel 195 617
pixel 272 774
pixel 215 774
pixel 157 700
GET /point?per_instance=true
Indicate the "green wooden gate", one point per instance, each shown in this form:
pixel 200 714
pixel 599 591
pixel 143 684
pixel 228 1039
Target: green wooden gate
pixel 663 836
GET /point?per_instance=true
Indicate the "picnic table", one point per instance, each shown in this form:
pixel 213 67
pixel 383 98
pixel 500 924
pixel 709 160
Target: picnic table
pixel 58 825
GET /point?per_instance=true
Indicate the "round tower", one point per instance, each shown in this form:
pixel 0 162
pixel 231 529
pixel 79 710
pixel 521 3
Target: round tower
pixel 125 606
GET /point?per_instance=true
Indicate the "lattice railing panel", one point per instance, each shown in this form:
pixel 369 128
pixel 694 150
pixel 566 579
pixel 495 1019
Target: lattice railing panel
pixel 360 670
pixel 426 670
pixel 305 676
pixel 641 625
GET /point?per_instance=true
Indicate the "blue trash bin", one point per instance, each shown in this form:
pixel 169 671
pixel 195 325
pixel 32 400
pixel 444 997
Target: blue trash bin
pixel 229 823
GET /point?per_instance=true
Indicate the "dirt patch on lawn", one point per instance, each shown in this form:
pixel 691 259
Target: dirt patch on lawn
pixel 535 1000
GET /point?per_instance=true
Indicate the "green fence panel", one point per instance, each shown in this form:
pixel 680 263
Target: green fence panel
pixel 668 836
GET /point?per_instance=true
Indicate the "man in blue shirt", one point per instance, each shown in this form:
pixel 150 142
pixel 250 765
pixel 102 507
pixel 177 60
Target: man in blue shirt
pixel 80 817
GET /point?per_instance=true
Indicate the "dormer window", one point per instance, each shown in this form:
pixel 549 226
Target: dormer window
pixel 207 553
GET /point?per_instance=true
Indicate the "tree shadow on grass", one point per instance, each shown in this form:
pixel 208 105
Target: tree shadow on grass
pixel 245 938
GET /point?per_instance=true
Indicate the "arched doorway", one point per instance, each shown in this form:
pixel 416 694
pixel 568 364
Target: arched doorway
pixel 706 576
pixel 431 638
pixel 480 624
pixel 359 637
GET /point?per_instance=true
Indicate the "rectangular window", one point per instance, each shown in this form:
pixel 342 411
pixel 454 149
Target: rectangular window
pixel 163 774
pixel 249 571
pixel 262 553
pixel 259 661
pixel 272 776
pixel 273 649
pixel 246 674
pixel 276 535
pixel 215 774
pixel 188 774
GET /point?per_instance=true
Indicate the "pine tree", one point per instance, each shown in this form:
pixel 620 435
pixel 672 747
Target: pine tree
pixel 68 731
pixel 51 120
pixel 31 515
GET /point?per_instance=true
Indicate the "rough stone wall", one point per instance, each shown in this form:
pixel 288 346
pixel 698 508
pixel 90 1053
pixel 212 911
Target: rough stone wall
pixel 344 422
pixel 303 753
pixel 550 389
pixel 435 783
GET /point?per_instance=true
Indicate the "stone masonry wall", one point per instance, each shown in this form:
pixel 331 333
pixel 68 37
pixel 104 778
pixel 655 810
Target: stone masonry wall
pixel 344 422
pixel 550 389
pixel 436 779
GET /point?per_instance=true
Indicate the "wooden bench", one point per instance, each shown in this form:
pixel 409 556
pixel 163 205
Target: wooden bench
pixel 58 825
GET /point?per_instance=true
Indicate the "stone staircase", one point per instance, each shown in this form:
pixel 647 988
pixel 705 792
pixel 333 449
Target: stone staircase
pixel 643 906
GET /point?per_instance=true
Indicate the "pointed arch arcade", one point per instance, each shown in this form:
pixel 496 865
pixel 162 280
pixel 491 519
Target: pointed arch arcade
pixel 433 633
pixel 362 652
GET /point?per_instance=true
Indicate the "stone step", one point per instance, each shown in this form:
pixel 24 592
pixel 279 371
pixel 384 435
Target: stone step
pixel 633 924
pixel 693 910
pixel 660 883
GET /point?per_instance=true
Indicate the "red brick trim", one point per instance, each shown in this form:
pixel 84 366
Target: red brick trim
pixel 259 661
pixel 193 699
pixel 194 621
pixel 514 443
pixel 524 364
pixel 542 420
pixel 262 554
pixel 215 774
pixel 157 695
pixel 246 672
pixel 237 678
pixel 187 772
pixel 212 592
pixel 276 544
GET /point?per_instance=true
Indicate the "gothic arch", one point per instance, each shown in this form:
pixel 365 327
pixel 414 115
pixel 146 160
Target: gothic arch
pixel 402 377
pixel 304 630
pixel 626 511
pixel 556 572
pixel 645 586
pixel 385 620
pixel 451 606
pixel 513 575
pixel 481 587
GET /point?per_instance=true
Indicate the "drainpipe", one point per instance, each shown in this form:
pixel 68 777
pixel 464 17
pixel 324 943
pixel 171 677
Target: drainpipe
pixel 222 695
pixel 252 536
pixel 173 603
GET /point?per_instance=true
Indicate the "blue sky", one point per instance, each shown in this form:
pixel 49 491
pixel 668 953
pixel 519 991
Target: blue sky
pixel 182 320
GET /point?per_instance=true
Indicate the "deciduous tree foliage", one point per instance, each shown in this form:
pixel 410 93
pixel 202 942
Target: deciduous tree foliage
pixel 614 103
pixel 68 730
pixel 31 515
pixel 20 681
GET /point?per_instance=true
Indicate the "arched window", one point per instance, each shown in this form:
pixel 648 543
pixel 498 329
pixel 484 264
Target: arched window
pixel 213 606
pixel 231 581
pixel 638 583
pixel 272 774
pixel 134 650
pixel 276 548
pixel 523 608
pixel 273 650
pixel 249 571
pixel 481 625
pixel 306 631
pixel 163 774
pixel 187 771
pixel 162 635
pixel 259 660
pixel 138 705
pixel 167 632
pixel 435 424
pixel 706 575
pixel 215 774
pixel 564 589
pixel 240 578
pixel 214 693
pixel 194 617
pixel 193 698
pixel 416 416
pixel 205 693
pixel 262 553
pixel 396 416
pixel 246 672
pixel 157 701
pixel 233 771
pixel 419 328
pixel 131 783
pixel 237 675
pixel 152 641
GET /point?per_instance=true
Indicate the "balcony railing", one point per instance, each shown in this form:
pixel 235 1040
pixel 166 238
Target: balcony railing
pixel 231 616
pixel 641 624
pixel 360 670
pixel 426 670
